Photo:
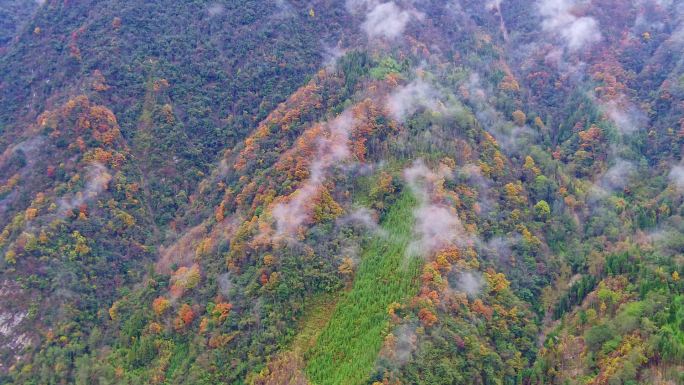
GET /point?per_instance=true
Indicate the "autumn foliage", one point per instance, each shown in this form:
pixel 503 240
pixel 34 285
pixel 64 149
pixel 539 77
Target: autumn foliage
pixel 184 318
pixel 160 305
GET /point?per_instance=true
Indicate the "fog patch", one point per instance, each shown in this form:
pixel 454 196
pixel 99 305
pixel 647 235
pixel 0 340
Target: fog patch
pixel 676 176
pixel 293 213
pixel 406 100
pixel 284 8
pixel 423 181
pixel 331 55
pixel 215 9
pixel 365 218
pixel 333 149
pixel 182 251
pixel 383 20
pixel 471 174
pixel 386 20
pixel 28 148
pixel 625 115
pixel 618 176
pixel 510 137
pixel 399 346
pixel 499 248
pixel 469 282
pixel 559 17
pixel 225 284
pixel 493 5
pixel 405 344
pixel 97 181
pixel 437 225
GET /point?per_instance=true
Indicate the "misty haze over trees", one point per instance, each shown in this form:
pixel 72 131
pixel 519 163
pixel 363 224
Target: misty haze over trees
pixel 382 192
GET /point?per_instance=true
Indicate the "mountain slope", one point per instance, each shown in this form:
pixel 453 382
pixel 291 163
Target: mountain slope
pixel 473 193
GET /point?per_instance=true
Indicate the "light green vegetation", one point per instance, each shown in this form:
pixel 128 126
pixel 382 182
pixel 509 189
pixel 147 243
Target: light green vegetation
pixel 348 347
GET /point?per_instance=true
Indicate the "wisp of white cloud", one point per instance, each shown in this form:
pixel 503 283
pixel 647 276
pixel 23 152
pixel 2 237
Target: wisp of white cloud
pixel 578 32
pixel 406 100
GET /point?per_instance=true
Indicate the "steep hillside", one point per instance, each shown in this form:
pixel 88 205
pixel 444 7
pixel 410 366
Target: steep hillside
pixel 358 192
pixel 14 14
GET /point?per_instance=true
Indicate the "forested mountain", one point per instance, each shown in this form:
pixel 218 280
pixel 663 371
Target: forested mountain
pixel 14 14
pixel 342 192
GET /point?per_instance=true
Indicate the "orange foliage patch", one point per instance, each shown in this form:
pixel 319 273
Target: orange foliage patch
pixel 184 279
pixel 221 311
pixel 480 308
pixel 427 318
pixel 184 318
pixel 305 99
pixel 160 305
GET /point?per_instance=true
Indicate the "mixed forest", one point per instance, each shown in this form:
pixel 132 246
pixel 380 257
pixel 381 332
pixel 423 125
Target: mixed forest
pixel 327 192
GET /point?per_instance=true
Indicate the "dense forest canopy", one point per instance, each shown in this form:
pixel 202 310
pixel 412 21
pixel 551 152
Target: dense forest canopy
pixel 384 192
